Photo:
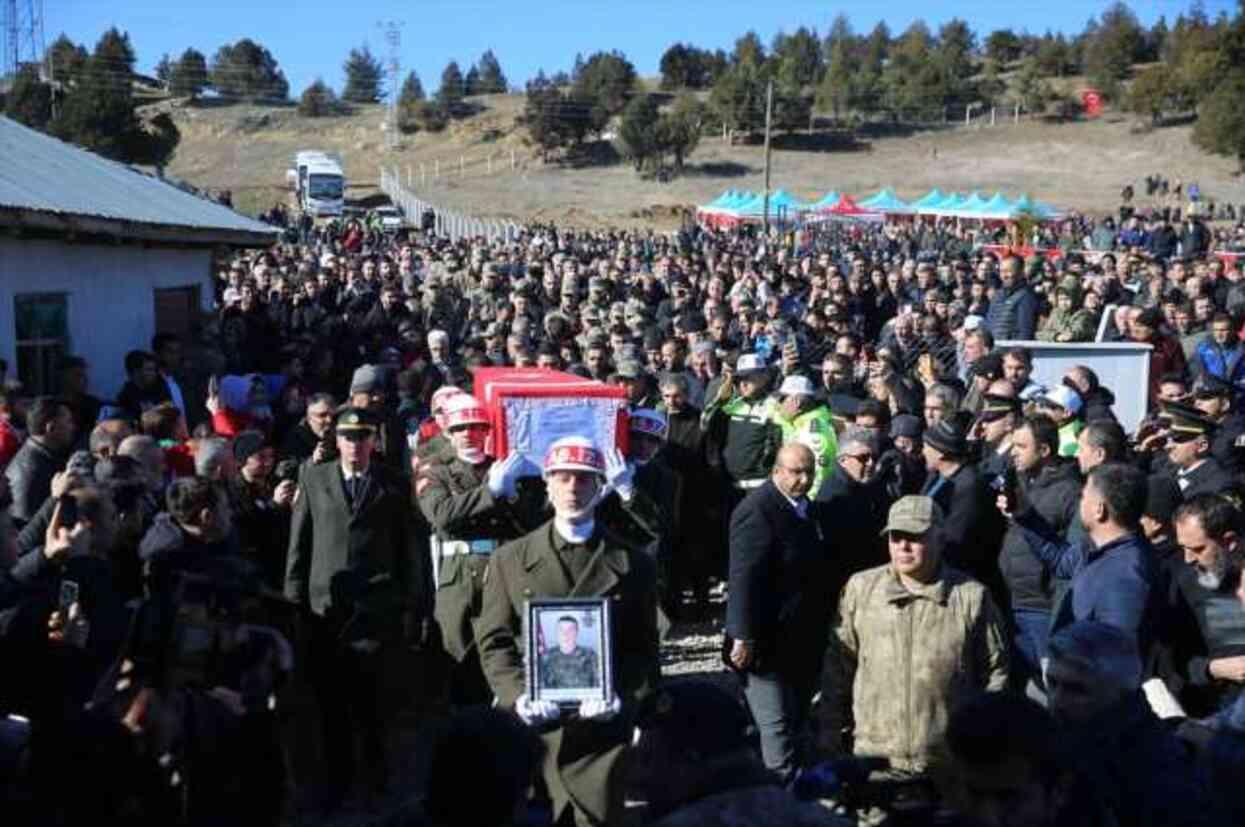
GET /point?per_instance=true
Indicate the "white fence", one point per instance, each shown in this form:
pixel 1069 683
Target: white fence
pixel 450 224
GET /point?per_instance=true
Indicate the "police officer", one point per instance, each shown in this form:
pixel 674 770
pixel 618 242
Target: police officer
pixel 473 506
pixel 575 555
pixel 740 432
pixel 804 419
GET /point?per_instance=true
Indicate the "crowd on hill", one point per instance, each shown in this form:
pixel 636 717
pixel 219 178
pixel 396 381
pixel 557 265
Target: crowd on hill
pixel 839 456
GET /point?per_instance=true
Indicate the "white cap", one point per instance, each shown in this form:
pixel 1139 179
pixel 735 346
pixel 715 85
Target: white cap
pixel 464 409
pixel 972 322
pixel 1064 397
pixel 649 422
pixel 750 363
pixel 442 395
pixel 796 386
pixel 574 453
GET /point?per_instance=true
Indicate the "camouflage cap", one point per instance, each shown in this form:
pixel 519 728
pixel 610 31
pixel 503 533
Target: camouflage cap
pixel 912 514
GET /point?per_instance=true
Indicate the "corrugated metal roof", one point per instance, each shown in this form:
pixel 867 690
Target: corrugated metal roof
pixel 39 172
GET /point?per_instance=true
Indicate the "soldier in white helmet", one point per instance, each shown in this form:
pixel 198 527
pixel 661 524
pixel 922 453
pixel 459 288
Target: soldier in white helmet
pixel 575 555
pixel 473 505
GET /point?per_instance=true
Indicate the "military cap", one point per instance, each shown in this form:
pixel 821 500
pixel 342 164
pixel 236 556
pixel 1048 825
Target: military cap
pixel 357 421
pixel 597 283
pixel 1187 423
pixel 995 407
pixel 1211 387
pixel 989 366
pixel 912 514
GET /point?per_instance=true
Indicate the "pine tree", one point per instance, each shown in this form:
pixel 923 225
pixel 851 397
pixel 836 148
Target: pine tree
pixel 471 84
pixel 248 70
pixel 412 90
pixel 29 99
pixel 450 94
pixel 189 75
pixel 67 60
pixel 318 101
pixel 98 110
pixel 164 69
pixel 492 79
pixel 363 76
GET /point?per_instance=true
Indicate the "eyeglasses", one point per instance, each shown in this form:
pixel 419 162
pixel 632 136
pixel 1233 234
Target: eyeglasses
pixel 863 459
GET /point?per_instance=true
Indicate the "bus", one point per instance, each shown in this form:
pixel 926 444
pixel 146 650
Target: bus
pixel 318 182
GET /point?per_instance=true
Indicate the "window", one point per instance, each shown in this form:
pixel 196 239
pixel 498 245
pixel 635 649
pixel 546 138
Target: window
pixel 42 321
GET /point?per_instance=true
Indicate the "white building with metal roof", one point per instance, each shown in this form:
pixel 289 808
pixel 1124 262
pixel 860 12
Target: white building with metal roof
pixel 96 258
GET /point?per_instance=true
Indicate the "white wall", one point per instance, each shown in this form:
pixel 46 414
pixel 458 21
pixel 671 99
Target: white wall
pixel 111 300
pixel 1124 367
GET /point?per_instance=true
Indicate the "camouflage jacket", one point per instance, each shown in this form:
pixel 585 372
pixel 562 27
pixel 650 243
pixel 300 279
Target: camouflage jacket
pixel 901 659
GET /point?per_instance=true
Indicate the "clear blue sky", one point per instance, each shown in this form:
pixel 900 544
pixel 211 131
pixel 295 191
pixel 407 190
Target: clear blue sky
pixel 312 37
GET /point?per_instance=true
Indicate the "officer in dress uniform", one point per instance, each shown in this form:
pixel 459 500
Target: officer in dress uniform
pixel 1213 397
pixel 1190 434
pixel 473 505
pixel 576 555
pixel 352 566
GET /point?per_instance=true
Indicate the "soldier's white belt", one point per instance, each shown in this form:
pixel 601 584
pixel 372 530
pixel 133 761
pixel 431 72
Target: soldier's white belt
pixel 453 548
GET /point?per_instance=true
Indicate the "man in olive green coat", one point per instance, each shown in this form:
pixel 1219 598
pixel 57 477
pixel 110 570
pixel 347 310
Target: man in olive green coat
pixel 576 555
pixel 473 505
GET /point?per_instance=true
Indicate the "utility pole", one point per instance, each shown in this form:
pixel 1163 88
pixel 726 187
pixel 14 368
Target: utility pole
pixel 769 115
pixel 393 36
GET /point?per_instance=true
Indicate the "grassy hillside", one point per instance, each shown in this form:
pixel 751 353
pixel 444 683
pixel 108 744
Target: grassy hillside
pixel 1079 165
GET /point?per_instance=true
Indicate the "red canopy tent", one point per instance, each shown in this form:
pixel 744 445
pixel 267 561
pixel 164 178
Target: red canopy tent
pixel 846 209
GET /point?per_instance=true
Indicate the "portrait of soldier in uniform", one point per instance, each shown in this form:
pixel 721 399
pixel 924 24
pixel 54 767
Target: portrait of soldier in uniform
pixel 570 665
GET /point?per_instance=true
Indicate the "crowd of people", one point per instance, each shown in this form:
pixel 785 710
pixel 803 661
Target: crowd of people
pixel 915 554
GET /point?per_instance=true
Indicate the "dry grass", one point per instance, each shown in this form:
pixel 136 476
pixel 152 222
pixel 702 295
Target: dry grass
pixel 1076 165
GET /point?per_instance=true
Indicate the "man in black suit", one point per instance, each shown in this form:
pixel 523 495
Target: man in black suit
pixel 777 614
pixel 351 562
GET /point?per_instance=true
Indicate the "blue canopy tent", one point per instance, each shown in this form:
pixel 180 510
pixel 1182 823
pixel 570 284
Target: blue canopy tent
pixel 929 200
pixel 997 208
pixel 948 206
pixel 886 201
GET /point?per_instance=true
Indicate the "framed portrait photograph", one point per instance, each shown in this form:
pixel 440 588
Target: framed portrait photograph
pixel 568 650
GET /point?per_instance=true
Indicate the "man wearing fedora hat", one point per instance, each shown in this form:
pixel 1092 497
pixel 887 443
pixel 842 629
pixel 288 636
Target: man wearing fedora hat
pixel 971 528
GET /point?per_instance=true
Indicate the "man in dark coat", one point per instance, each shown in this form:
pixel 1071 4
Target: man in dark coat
pixel 853 504
pixel 351 566
pixel 1014 309
pixel 1115 575
pixel 52 434
pixel 1049 485
pixel 971 527
pixel 575 555
pixel 698 502
pixel 777 612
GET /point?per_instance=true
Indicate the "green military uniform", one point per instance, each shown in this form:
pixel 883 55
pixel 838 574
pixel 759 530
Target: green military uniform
pixel 569 670
pixel 581 759
pixel 815 429
pixel 469 524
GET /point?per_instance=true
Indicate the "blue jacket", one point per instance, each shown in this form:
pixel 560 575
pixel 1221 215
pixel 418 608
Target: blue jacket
pixel 1013 313
pixel 1117 584
pixel 1226 363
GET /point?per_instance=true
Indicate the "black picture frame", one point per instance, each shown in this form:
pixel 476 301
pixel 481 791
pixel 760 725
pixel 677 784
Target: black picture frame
pixel 568 678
